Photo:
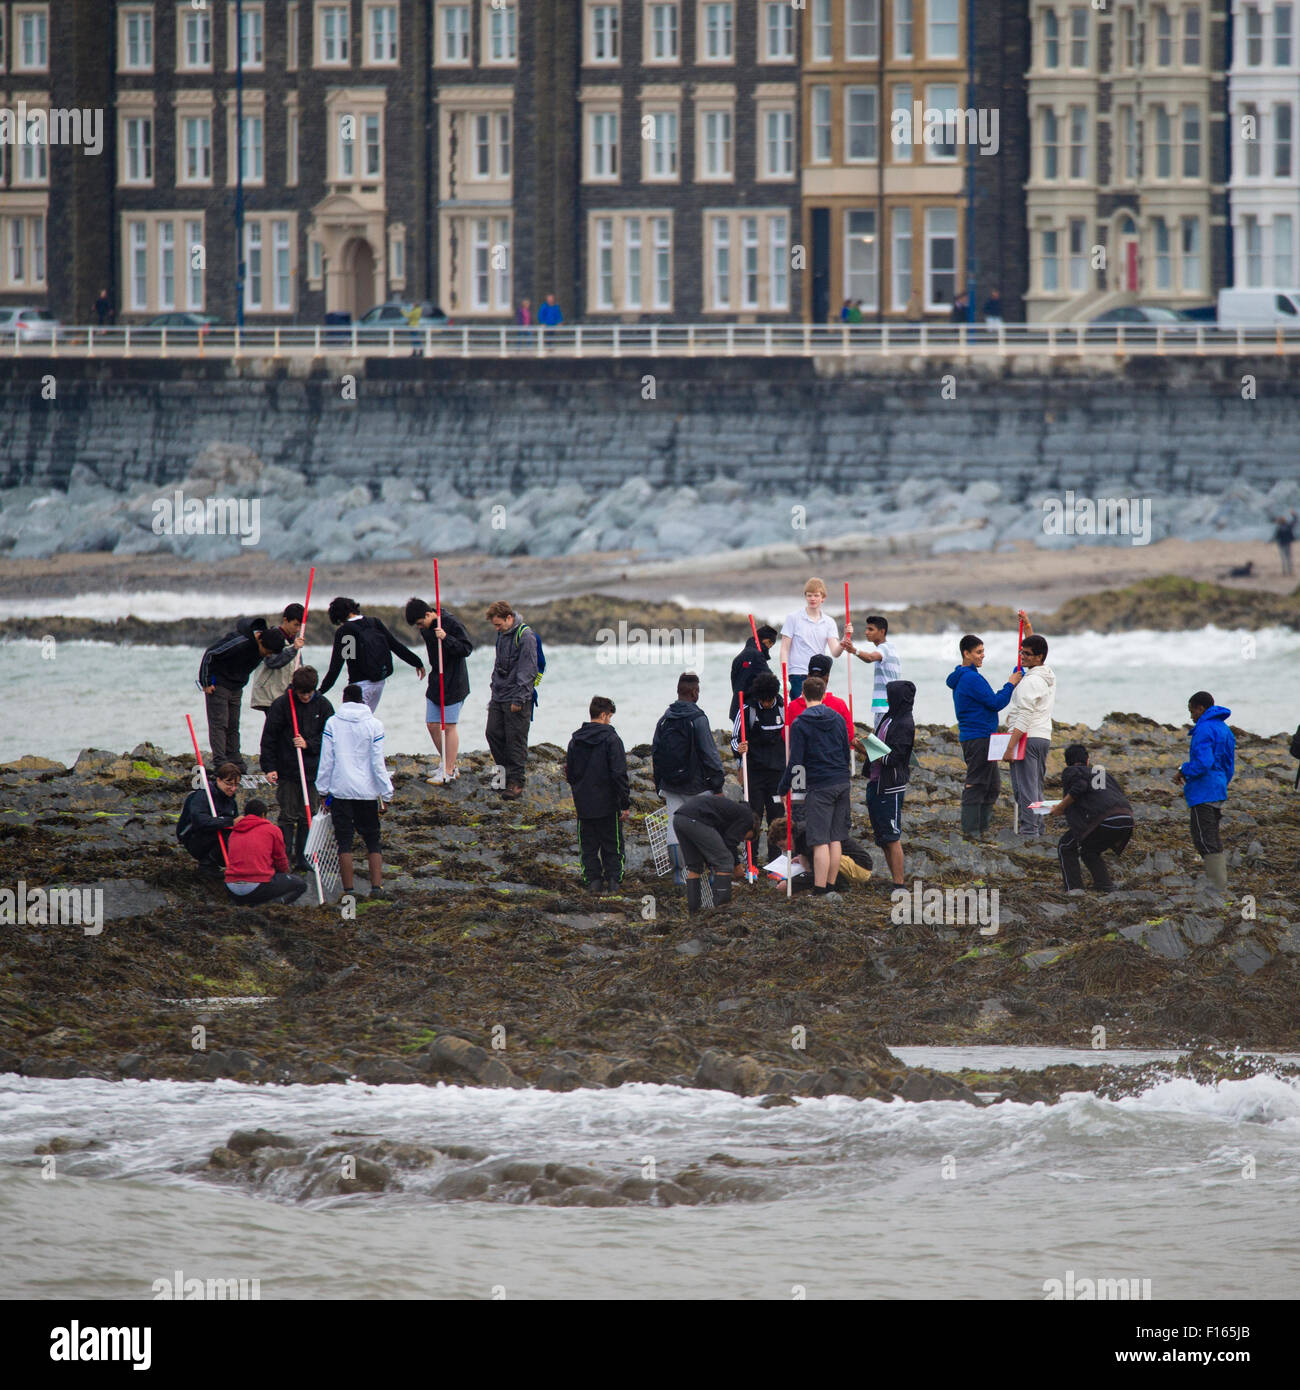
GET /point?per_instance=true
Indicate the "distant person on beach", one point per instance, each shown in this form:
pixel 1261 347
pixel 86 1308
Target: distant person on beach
pixel 513 694
pixel 762 737
pixel 1284 539
pixel 845 310
pixel 710 828
pixel 103 309
pixel 819 766
pixel 275 672
pixel 807 632
pixel 993 309
pixel 977 708
pixel 454 682
pixel 1030 713
pixel 683 757
pixel 595 767
pixel 855 857
pixel 368 648
pixel 753 660
pixel 258 871
pixel 1099 818
pixel 223 673
pixel 353 774
pixel 888 664
pixel 198 830
pixel 549 313
pixel 887 777
pixel 1204 777
pixel 279 756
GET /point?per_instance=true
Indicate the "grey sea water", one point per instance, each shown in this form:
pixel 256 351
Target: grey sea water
pixel 1196 1188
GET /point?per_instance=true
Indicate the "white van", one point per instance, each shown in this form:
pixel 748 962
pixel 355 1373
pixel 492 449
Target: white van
pixel 1259 309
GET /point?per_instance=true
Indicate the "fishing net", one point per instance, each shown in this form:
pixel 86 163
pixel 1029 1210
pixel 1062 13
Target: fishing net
pixel 656 827
pixel 323 855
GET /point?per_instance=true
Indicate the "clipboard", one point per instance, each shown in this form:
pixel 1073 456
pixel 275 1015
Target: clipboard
pixel 998 747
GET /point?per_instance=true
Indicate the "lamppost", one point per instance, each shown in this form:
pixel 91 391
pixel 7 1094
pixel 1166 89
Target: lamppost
pixel 970 164
pixel 240 267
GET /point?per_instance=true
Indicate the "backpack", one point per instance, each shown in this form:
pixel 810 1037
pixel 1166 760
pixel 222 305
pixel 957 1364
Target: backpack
pixel 674 750
pixel 541 656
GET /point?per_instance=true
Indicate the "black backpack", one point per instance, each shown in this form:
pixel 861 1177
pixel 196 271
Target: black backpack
pixel 372 649
pixel 674 750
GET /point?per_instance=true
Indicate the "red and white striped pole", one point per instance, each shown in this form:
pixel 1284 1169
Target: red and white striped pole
pixel 750 874
pixel 789 821
pixel 853 757
pixel 203 778
pixel 442 696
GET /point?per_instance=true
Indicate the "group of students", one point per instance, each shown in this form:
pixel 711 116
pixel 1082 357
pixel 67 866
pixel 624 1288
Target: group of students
pixel 342 752
pixel 794 748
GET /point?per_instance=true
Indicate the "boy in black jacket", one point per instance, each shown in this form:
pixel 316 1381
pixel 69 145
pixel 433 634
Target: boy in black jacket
pixel 887 777
pixel 453 684
pixel 595 766
pixel 752 662
pixel 223 673
pixel 368 647
pixel 279 757
pixel 1099 816
pixel 198 830
pixel 763 738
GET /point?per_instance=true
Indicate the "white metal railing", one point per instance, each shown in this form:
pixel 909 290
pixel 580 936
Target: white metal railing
pixel 661 340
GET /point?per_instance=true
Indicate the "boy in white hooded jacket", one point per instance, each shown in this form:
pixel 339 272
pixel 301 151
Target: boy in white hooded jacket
pixel 1030 712
pixel 353 774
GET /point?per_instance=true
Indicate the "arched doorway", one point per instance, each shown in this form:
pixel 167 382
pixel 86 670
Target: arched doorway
pixel 359 270
pixel 1127 254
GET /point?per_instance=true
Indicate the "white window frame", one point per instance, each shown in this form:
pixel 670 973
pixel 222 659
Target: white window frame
pixel 862 27
pixel 1283 273
pixel 715 43
pixel 603 21
pixel 253 37
pixel 822 32
pixel 902 152
pixel 603 132
pixel 382 42
pixel 778 266
pixel 719 263
pixel 1080 151
pixel 667 53
pixel 198 22
pixel 140 19
pixel 942 29
pixel 931 238
pixel 661 154
pixel 31 28
pixel 786 168
pixel 1076 61
pixel 900 259
pixel 195 289
pixel 633 263
pixel 661 227
pixel 166 265
pixel 282 267
pixel 333 34
pixel 137 153
pixel 500 41
pixel 904 30
pixel 1283 35
pixel 1192 283
pixel 1076 261
pixel 871 298
pixel 712 121
pixel 202 177
pixel 1052 259
pixel 749 241
pixel 820 124
pixel 868 90
pixel 778 43
pixel 935 154
pixel 454 39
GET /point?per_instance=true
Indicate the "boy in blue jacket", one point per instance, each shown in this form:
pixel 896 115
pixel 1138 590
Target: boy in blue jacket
pixel 977 707
pixel 1204 777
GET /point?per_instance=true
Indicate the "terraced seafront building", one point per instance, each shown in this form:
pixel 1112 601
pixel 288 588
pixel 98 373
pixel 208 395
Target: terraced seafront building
pixel 1127 193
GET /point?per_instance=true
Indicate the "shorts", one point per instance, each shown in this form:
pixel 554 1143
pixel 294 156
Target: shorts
pixel 356 817
pixel 449 715
pixel 886 812
pixel 826 814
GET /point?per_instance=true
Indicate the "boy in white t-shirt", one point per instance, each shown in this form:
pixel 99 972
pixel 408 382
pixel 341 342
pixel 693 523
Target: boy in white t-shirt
pixel 808 632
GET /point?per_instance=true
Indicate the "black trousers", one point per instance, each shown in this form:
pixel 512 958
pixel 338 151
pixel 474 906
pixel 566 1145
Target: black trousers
pixel 507 736
pixel 1114 836
pixel 763 800
pixel 983 778
pixel 223 707
pixel 282 888
pixel 600 841
pixel 1205 820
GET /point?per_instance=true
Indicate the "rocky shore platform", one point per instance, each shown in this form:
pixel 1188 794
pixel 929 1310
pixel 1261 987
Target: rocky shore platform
pixel 489 965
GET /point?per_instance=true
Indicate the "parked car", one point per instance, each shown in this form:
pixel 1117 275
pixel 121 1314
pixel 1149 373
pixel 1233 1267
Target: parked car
pixel 184 319
pixel 1205 314
pixel 30 325
pixel 393 315
pixel 1259 308
pixel 1151 316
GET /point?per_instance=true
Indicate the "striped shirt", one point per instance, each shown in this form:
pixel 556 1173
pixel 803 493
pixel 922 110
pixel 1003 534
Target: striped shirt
pixel 888 668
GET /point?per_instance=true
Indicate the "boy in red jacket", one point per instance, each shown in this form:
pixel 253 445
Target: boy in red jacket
pixel 258 871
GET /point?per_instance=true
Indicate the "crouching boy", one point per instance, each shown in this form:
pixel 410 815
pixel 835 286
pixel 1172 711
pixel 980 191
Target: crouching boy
pixel 710 828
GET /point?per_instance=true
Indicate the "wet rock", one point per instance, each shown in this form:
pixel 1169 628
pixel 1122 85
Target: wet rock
pixel 572 1174
pixel 327 1073
pixel 542 1188
pixel 553 1078
pixel 385 1071
pixel 1162 938
pixel 923 1085
pixel 59 1068
pixel 1248 954
pixel 772 1102
pixel 473 1061
pixel 225 1158
pixel 246 1141
pixel 461 1187
pixel 741 1075
pixel 9 1061
pixel 370 1177
pixel 521 1170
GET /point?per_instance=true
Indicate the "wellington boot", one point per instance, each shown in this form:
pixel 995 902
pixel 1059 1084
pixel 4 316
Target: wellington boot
pixel 1216 870
pixel 986 817
pixel 675 859
pixel 970 821
pixel 721 885
pixel 694 892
